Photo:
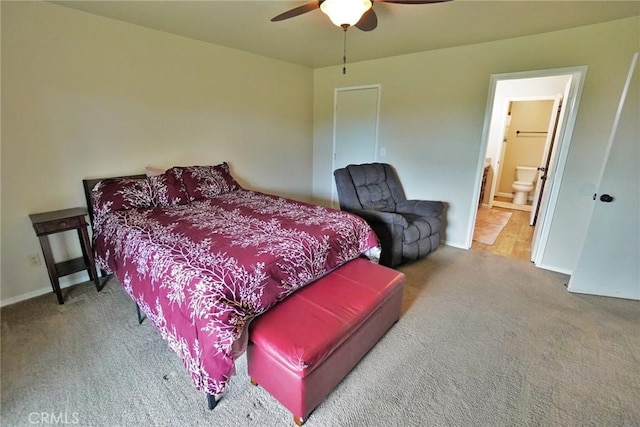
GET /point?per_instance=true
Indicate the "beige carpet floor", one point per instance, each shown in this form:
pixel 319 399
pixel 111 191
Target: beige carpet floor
pixel 489 224
pixel 483 341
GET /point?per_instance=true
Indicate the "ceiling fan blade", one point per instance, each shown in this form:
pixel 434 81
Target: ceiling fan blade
pixel 297 11
pixel 369 21
pixel 412 1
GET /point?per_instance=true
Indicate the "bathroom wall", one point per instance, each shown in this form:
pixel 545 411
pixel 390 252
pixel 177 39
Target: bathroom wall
pixel 524 149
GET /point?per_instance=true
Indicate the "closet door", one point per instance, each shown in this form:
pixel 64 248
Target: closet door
pixel 355 128
pixel 608 264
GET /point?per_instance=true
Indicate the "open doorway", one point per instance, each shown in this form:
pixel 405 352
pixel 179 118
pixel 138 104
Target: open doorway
pixel 528 126
pixel 525 151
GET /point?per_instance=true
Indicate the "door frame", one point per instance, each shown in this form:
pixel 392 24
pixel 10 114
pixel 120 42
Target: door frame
pixel 555 121
pixel 547 212
pixel 334 193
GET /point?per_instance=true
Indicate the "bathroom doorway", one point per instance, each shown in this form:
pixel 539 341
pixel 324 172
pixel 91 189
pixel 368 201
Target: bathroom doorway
pixel 522 157
pixel 554 94
pixel 525 154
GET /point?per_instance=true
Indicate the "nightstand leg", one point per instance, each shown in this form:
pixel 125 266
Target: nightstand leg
pixel 87 253
pixel 51 267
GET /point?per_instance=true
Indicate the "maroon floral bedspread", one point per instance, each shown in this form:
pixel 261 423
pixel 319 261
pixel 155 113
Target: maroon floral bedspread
pixel 201 271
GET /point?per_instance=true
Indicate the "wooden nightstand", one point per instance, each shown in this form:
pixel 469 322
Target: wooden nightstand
pixel 55 222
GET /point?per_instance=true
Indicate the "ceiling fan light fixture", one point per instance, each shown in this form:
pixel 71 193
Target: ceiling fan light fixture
pixel 345 12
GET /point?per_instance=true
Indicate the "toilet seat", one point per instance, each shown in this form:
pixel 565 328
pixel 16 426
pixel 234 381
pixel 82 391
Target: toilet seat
pixel 523 186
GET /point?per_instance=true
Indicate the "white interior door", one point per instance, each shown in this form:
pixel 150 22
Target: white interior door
pixel 542 207
pixel 609 264
pixel 543 169
pixel 355 127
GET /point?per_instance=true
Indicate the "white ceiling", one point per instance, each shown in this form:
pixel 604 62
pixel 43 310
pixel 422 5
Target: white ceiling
pixel 311 40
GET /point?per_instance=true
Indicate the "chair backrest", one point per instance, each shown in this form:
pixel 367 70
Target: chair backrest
pixel 369 186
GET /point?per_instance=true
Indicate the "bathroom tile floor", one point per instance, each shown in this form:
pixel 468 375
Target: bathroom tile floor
pixel 515 239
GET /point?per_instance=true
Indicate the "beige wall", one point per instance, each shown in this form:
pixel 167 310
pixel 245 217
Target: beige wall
pixel 86 96
pixel 433 111
pixel 525 149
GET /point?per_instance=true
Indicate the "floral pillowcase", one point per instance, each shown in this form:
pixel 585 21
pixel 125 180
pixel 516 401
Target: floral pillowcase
pixel 202 182
pixel 122 194
pixel 117 194
pixel 173 187
pixel 167 189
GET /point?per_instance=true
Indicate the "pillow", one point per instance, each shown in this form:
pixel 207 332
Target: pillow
pixel 167 189
pixel 151 171
pixel 117 194
pixel 207 181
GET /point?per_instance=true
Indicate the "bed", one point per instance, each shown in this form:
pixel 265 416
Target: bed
pixel 201 256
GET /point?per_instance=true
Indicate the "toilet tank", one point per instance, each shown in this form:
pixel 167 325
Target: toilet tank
pixel 525 173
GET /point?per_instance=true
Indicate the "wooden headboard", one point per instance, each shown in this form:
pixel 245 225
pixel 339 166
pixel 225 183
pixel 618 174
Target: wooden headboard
pixel 88 185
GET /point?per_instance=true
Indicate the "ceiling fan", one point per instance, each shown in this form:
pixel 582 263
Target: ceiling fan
pixel 346 13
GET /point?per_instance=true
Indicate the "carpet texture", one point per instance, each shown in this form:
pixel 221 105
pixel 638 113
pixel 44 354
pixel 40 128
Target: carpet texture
pixel 483 341
pixel 489 224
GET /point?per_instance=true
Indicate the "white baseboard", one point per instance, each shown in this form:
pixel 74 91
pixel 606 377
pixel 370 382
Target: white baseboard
pixel 556 269
pixel 455 245
pixel 602 294
pixel 65 282
pixel 507 195
pixel 29 295
pixel 510 195
pixel 509 205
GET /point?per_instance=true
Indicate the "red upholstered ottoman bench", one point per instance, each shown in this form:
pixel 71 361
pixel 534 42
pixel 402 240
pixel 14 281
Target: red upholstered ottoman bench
pixel 303 347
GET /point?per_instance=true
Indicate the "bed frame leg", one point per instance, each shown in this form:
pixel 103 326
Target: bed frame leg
pixel 140 316
pixel 211 401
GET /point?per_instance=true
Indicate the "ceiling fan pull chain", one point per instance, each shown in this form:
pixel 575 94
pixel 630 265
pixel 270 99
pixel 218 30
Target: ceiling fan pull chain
pixel 344 51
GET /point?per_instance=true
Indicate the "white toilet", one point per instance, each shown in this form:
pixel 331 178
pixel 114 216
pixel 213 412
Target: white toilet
pixel 523 184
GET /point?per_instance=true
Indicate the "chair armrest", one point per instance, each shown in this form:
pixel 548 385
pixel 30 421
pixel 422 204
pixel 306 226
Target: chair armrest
pixel 379 216
pixel 428 208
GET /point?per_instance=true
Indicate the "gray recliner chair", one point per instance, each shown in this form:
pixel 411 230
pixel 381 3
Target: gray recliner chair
pixel 407 229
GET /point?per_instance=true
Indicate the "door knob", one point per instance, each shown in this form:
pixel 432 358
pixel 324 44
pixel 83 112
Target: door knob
pixel 606 198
